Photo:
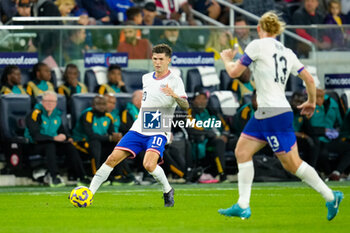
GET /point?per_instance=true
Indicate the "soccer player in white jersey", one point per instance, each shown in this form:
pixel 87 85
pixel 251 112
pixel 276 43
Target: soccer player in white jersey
pixel 164 90
pixel 271 64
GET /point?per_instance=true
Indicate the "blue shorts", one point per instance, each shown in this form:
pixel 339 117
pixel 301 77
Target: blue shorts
pixel 135 142
pixel 278 131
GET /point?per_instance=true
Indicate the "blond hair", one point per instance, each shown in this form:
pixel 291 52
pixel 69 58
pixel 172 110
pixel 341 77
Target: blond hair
pixel 60 2
pixel 271 24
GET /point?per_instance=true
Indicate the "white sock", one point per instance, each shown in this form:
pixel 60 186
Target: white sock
pixel 100 177
pixel 159 176
pixel 308 174
pixel 245 181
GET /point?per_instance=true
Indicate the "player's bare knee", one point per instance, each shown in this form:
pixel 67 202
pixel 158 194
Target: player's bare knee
pixel 149 166
pixel 111 160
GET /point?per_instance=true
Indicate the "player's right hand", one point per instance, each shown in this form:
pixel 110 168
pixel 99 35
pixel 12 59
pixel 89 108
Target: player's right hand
pixel 307 109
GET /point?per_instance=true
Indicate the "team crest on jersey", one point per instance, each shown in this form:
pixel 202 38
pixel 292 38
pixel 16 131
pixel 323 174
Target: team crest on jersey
pixel 152 119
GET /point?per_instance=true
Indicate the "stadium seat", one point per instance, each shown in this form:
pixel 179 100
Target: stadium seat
pixel 90 80
pixel 294 84
pixel 194 79
pixel 122 100
pixel 335 96
pixel 79 102
pixel 225 80
pixel 345 100
pixel 223 102
pixel 13 110
pixel 133 79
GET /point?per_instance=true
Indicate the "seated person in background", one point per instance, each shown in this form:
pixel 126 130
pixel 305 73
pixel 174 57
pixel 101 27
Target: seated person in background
pixel 149 15
pixel 243 85
pixel 129 115
pixel 171 38
pixel 340 37
pixel 133 14
pixel 41 81
pixel 74 46
pixel 115 81
pixel 71 83
pixel 173 10
pixel 244 35
pixel 111 108
pixel 65 6
pixel 209 7
pixel 136 48
pixel 308 146
pixel 119 7
pixel 306 15
pixel 11 81
pixel 219 40
pixel 94 133
pixel 123 171
pixel 243 115
pixel 325 123
pixel 207 139
pixel 100 10
pixel 48 137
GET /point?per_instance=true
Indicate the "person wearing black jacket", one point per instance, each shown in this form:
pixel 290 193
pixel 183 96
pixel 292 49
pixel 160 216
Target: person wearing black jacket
pixel 48 136
pixel 94 133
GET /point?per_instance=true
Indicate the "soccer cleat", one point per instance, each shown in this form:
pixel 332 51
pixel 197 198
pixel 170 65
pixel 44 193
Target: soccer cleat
pixel 236 211
pixel 56 182
pixel 169 198
pixel 333 206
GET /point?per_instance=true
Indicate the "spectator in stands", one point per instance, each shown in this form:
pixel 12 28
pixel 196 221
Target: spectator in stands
pixel 150 19
pixel 11 81
pixel 46 42
pixel 120 7
pixel 258 7
pixel 219 40
pixel 23 8
pixel 242 85
pixel 306 15
pixel 149 15
pixel 326 123
pixel 94 133
pixel 136 48
pixel 129 115
pixel 41 80
pixel 8 10
pixel 48 137
pixel 115 81
pixel 209 144
pixel 308 146
pixel 244 35
pixel 71 83
pixel 74 46
pixel 172 10
pixel 65 6
pixel 134 15
pixel 100 10
pixel 339 37
pixel 209 8
pixel 171 38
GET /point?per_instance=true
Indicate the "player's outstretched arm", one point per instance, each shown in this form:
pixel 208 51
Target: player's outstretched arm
pixel 309 106
pixel 234 69
pixel 182 102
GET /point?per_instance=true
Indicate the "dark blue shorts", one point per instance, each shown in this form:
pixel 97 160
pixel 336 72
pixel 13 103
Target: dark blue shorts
pixel 278 131
pixel 134 143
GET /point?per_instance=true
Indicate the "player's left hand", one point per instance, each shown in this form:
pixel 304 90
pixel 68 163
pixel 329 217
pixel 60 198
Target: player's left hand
pixel 307 109
pixel 168 91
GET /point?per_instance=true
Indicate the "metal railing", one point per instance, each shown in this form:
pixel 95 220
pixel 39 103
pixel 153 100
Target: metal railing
pixel 42 19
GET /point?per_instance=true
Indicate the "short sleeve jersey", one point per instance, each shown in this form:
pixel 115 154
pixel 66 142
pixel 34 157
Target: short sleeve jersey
pixel 271 64
pixel 154 98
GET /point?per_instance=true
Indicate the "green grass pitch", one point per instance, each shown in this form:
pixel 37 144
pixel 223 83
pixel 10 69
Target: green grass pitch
pixel 276 207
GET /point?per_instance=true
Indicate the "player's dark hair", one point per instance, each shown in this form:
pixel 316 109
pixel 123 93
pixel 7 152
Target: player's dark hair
pixel 36 68
pixel 114 67
pixel 7 70
pixel 132 12
pixel 163 48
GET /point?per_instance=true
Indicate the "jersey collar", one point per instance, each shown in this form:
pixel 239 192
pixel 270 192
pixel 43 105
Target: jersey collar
pixel 162 77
